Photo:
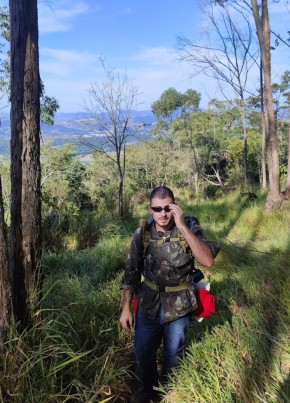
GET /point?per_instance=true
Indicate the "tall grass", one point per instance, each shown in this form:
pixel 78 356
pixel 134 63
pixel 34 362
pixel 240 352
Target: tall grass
pixel 242 352
pixel 76 351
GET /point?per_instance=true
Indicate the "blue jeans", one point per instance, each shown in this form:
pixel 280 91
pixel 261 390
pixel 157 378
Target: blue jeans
pixel 148 337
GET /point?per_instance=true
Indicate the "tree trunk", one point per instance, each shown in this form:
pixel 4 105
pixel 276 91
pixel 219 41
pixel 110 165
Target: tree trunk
pixel 120 198
pixel 25 156
pixel 263 31
pixel 5 277
pixel 264 162
pixel 245 150
pixel 287 189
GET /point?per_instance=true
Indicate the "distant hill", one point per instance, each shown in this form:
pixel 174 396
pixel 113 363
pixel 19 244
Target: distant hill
pixel 68 127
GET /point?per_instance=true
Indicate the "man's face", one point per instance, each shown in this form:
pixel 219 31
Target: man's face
pixel 163 218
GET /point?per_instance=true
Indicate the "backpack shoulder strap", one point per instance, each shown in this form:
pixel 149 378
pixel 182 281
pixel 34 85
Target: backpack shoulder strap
pixel 183 242
pixel 145 225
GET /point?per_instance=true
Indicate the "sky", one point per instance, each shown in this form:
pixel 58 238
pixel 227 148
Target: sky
pixel 136 36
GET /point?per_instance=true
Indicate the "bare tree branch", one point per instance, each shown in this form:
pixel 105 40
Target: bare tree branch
pixel 110 106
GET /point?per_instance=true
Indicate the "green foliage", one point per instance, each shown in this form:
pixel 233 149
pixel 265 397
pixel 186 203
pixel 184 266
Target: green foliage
pixel 171 101
pixel 110 106
pixel 190 100
pixel 96 265
pixel 4 51
pixel 235 158
pixel 76 351
pixel 241 353
pixel 63 177
pixel 161 130
pixel 156 163
pixel 198 133
pixel 102 182
pixel 66 201
pixel 5 178
pixel 48 107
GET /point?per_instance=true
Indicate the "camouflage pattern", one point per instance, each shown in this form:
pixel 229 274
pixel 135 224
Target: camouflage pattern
pixel 164 263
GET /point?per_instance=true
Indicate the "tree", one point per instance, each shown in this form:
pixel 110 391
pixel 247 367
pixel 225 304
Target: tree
pixel 260 13
pixel 25 157
pixel 49 105
pixel 261 17
pixel 63 190
pixel 170 101
pixel 228 55
pixel 4 65
pixel 5 276
pixel 284 90
pixel 197 131
pixel 190 100
pixel 110 106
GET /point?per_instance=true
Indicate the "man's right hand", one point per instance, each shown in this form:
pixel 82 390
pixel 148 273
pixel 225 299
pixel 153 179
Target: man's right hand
pixel 126 319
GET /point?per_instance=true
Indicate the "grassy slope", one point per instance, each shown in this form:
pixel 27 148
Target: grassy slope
pixel 241 353
pixel 76 351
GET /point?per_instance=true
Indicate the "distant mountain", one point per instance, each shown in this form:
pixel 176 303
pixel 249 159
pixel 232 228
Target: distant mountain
pixel 75 123
pixel 68 127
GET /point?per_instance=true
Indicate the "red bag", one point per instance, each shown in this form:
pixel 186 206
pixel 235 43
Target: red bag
pixel 206 303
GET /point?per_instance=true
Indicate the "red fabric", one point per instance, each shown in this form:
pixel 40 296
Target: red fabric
pixel 206 303
pixel 135 303
pixel 205 300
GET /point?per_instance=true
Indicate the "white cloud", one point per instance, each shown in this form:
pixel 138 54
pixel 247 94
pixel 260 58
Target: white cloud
pixel 153 70
pixel 57 16
pixel 156 69
pixel 71 94
pixel 155 56
pixel 68 74
pixel 63 62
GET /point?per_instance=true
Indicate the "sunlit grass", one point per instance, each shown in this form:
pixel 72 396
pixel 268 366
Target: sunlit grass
pixel 76 350
pixel 241 353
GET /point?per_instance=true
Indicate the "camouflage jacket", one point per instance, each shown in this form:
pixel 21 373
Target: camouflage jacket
pixel 164 263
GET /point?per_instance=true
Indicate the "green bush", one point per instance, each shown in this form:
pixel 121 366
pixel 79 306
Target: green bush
pixel 76 352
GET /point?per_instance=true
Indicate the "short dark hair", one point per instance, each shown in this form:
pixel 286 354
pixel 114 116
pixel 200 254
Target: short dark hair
pixel 161 192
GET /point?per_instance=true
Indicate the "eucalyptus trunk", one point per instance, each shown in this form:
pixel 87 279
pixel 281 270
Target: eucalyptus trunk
pixel 25 157
pixel 287 189
pixel 5 277
pixel 245 148
pixel 263 32
pixel 264 158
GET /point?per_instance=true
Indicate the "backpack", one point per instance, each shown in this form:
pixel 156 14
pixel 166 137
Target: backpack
pixel 206 301
pixel 143 223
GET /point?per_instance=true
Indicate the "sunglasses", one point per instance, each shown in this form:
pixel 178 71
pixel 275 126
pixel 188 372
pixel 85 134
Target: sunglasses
pixel 158 209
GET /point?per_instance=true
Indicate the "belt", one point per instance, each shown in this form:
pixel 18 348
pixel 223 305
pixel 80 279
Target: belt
pixel 163 288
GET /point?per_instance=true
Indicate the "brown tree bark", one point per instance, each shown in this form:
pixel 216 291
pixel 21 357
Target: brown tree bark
pixel 263 32
pixel 264 162
pixel 25 156
pixel 287 188
pixel 5 277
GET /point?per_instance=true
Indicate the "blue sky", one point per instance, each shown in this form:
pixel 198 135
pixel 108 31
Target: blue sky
pixel 136 35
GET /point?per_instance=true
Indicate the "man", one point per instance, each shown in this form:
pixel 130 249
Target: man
pixel 163 253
